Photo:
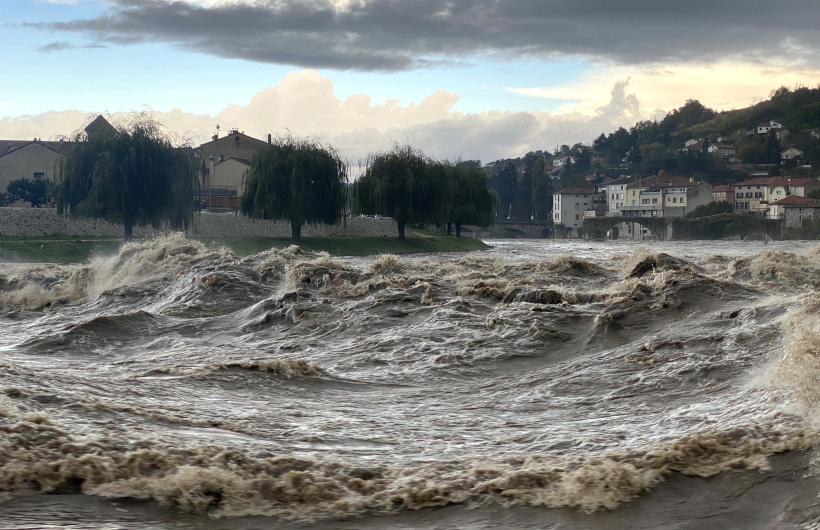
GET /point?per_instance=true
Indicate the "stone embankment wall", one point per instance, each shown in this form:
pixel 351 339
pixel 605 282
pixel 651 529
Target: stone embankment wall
pixel 46 222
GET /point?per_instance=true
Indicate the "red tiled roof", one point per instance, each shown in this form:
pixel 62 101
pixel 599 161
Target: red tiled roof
pixel 796 200
pixel 724 187
pixel 789 182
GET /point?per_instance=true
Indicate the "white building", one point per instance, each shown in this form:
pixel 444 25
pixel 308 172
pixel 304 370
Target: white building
pixel 569 205
pixel 765 127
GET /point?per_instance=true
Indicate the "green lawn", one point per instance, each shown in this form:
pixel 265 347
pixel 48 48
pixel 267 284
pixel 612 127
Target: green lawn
pixel 75 249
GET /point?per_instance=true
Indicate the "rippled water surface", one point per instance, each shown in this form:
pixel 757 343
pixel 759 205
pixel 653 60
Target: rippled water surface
pixel 537 384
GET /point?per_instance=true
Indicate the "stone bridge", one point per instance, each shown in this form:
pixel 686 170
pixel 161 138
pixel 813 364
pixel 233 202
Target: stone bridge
pixel 679 228
pixel 513 229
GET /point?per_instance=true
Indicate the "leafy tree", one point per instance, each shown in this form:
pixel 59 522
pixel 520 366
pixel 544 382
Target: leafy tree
pixel 653 157
pixel 751 153
pixel 711 208
pixel 32 191
pixel 298 180
pixel 469 201
pixel 403 184
pixel 130 174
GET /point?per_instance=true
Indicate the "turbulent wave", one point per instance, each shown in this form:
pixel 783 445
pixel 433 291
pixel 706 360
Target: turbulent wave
pixel 229 483
pixel 299 385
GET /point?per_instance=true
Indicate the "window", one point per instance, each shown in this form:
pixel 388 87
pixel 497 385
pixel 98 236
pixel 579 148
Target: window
pixel 576 216
pixel 674 200
pixel 577 206
pixel 38 176
pixel 654 201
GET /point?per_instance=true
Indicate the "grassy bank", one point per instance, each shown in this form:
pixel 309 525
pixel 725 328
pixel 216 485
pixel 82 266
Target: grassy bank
pixel 68 249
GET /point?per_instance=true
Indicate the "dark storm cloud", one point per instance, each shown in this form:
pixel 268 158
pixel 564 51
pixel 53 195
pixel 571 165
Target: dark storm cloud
pixel 399 35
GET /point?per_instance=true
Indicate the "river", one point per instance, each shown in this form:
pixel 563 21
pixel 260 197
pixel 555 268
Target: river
pixel 538 384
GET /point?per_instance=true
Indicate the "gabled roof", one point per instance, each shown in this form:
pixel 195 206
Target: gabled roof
pixel 14 146
pixel 781 181
pixel 233 134
pixel 98 125
pixel 796 200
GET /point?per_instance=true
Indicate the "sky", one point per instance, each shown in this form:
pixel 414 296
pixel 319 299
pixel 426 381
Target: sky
pixel 471 79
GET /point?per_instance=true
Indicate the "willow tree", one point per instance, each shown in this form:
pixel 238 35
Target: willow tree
pixel 468 200
pixel 298 180
pixel 402 184
pixel 129 174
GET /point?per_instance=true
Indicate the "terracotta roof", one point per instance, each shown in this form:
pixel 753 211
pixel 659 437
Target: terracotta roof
pixel 789 182
pixel 796 200
pixel 724 187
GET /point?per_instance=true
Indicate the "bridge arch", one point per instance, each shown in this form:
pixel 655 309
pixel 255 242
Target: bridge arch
pixel 631 230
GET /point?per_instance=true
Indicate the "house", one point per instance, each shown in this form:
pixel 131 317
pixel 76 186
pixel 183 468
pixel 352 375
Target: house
pixel 664 197
pixel 794 210
pixel 615 193
pixel 36 159
pixel 750 195
pixel 783 187
pixel 561 161
pixel 782 134
pixel 569 205
pixel 765 127
pixel 227 183
pixel 702 146
pixel 724 193
pixel 791 156
pixel 28 159
pixel 222 166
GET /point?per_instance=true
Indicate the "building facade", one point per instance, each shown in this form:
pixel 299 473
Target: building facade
pixel 569 205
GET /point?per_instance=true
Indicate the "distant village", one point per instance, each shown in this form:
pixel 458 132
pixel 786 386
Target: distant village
pixel 223 162
pixel 772 197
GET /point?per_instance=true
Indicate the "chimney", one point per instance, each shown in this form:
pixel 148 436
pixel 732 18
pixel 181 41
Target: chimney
pixel 268 137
